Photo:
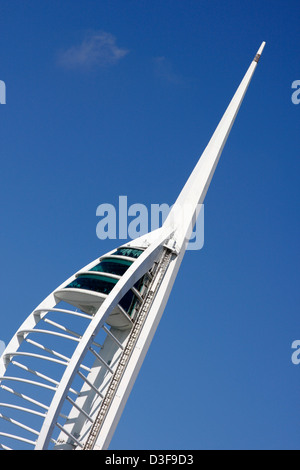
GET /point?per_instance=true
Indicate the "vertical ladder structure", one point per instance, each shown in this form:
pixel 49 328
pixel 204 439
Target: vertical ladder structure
pixel 67 373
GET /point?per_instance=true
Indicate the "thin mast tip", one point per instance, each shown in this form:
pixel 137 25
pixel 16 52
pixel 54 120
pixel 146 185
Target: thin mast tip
pixel 261 48
pixel 259 52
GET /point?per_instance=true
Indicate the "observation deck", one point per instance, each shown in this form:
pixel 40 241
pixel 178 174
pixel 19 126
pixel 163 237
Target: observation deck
pixel 90 288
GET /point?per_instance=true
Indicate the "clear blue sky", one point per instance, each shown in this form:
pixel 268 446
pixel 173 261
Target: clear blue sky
pixel 109 98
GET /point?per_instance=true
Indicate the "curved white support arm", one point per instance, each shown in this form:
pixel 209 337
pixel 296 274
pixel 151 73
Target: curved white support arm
pixel 132 275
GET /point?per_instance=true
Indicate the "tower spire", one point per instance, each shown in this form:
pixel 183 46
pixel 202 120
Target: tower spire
pixel 121 295
pixel 195 189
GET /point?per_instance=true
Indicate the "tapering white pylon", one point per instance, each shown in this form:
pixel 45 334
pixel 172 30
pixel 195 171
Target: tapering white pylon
pixel 121 296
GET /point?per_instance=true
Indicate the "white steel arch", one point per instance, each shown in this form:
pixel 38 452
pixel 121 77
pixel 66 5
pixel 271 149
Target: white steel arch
pixel 115 304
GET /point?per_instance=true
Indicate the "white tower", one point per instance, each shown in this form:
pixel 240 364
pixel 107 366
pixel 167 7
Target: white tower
pixel 68 371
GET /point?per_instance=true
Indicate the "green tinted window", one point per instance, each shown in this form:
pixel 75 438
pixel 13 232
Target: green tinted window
pixel 112 266
pixel 131 252
pixel 103 285
pixel 100 284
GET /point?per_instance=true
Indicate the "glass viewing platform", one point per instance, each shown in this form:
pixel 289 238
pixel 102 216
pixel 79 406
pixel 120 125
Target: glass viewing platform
pixel 89 289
